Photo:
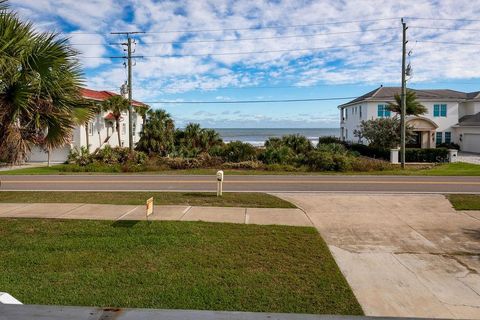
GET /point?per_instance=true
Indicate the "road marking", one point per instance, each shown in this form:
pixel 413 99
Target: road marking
pixel 242 182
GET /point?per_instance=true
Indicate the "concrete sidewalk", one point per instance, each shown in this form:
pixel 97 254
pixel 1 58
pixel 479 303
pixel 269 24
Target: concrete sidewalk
pixel 265 216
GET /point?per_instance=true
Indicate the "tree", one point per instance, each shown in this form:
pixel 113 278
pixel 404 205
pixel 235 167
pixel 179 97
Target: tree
pixel 95 108
pixel 382 132
pixel 157 135
pixel 116 105
pixel 40 100
pixel 142 110
pixel 413 107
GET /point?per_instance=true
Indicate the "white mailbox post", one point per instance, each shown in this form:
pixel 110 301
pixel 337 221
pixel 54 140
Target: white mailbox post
pixel 219 183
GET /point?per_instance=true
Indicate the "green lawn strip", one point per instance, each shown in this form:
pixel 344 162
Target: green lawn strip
pixel 229 199
pixel 465 201
pixel 172 265
pixel 447 169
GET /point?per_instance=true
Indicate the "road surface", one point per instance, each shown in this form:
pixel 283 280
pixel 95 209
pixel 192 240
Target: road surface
pixel 252 183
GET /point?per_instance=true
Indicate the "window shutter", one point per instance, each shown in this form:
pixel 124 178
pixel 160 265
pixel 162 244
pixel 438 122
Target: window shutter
pixel 443 110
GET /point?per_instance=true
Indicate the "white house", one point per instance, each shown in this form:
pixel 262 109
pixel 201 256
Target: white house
pixel 452 116
pixel 101 131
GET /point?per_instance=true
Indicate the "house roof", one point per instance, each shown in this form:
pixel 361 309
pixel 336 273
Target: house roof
pixel 103 95
pixel 471 120
pixel 388 93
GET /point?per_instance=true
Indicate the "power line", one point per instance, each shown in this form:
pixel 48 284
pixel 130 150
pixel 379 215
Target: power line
pixel 244 39
pixel 443 19
pixel 450 43
pixel 247 52
pixel 444 28
pixel 250 101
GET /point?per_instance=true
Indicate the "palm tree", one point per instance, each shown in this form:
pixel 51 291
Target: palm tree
pixel 116 105
pixel 157 135
pixel 413 107
pixel 210 139
pixel 142 110
pixel 40 101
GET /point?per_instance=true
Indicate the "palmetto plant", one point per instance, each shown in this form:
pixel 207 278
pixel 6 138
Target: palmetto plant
pixel 157 135
pixel 142 110
pixel 116 105
pixel 40 102
pixel 413 107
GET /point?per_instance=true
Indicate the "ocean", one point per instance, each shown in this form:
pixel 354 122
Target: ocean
pixel 257 136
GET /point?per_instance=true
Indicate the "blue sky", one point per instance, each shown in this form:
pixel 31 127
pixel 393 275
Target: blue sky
pixel 347 49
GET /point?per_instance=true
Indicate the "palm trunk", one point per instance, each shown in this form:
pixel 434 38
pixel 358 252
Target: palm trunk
pixel 87 138
pixel 118 133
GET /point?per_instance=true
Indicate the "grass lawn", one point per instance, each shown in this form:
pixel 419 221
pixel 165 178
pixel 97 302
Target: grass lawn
pixel 465 201
pixel 229 199
pixel 447 169
pixel 173 265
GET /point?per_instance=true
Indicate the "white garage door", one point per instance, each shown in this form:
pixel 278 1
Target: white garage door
pixel 471 142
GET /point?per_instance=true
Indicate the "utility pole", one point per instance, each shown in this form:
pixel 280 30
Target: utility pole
pixel 129 82
pixel 403 95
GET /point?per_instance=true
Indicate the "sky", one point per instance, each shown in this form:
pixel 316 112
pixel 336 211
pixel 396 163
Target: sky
pixel 224 50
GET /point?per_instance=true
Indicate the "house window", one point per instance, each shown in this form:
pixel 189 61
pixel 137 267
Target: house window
pixel 134 128
pixel 90 128
pixel 360 112
pixel 439 138
pixel 124 128
pixel 346 114
pixel 439 110
pixel 448 137
pixel 382 111
pixel 346 134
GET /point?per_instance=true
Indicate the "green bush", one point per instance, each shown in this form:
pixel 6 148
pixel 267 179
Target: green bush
pixel 450 145
pixel 319 160
pixel 79 156
pixel 364 164
pixel 235 151
pixel 284 167
pixel 426 155
pixel 329 140
pixel 278 155
pixel 368 151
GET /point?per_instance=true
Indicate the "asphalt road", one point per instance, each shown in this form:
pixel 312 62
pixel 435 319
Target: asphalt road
pixel 279 183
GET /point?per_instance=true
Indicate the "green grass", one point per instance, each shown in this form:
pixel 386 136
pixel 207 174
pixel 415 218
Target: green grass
pixel 465 201
pixel 229 199
pixel 172 265
pixel 448 169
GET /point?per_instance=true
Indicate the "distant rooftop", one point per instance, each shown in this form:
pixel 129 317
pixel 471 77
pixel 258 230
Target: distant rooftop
pixel 103 95
pixel 387 93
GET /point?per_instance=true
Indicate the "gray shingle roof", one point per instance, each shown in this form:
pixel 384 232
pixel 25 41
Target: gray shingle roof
pixel 387 93
pixel 471 120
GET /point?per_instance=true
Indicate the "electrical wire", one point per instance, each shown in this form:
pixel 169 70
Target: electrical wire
pixel 250 101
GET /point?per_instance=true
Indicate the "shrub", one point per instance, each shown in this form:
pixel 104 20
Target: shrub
pixel 369 151
pixel 333 148
pixel 450 145
pixel 329 140
pixel 426 155
pixel 236 151
pixel 283 167
pixel 79 156
pixel 299 144
pixel 319 160
pixel 278 155
pixel 382 133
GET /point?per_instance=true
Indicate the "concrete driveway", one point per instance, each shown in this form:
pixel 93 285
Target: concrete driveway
pixel 403 255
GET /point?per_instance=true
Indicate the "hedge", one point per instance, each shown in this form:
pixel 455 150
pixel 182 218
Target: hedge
pixel 426 155
pixel 364 150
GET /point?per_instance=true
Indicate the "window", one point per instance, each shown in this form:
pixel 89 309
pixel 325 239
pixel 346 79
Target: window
pixel 382 111
pixel 448 137
pixel 443 110
pixel 124 128
pixel 346 114
pixel 134 128
pixel 346 134
pixel 439 138
pixel 439 110
pixel 90 128
pixel 360 112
